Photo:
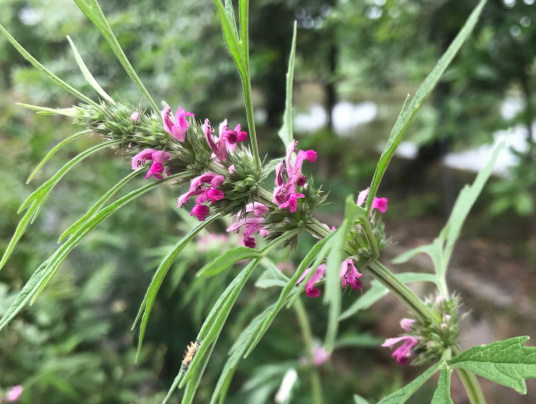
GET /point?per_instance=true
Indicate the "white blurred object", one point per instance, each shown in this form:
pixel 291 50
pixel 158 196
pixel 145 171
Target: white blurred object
pixel 283 394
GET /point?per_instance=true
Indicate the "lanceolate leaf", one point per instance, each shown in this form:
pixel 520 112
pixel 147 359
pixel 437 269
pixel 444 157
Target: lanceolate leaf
pixel 227 259
pixel 160 274
pixel 442 393
pixel 53 151
pixel 359 400
pixel 407 114
pixel 400 396
pixel 51 76
pixel 94 13
pixel 46 270
pixel 286 131
pixel 36 200
pixel 235 354
pixel 505 362
pixel 87 74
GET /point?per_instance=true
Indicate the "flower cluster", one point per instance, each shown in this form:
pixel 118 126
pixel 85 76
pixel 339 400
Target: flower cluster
pixel 348 273
pixel 252 225
pixel 427 341
pixel 158 158
pixel 206 186
pixel 227 140
pixel 288 176
pixel 176 128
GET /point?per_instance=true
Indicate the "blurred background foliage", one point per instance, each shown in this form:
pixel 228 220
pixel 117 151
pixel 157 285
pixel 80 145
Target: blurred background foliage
pixel 74 344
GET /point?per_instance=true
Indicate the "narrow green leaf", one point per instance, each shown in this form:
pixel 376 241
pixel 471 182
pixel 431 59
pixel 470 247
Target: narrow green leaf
pixel 332 293
pixel 271 277
pixel 286 131
pixel 150 296
pixel 99 204
pixel 377 291
pixel 231 40
pixel 505 362
pixel 243 8
pixel 442 393
pixel 36 200
pixel 94 13
pixel 235 354
pixel 358 340
pixel 400 396
pixel 359 400
pixel 46 270
pixel 230 13
pixel 87 74
pixel 49 111
pixel 47 73
pixel 228 258
pixel 54 150
pixel 285 293
pixel 433 250
pixel 465 201
pixel 407 114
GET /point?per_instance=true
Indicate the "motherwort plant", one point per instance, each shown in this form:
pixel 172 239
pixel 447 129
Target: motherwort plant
pixel 224 175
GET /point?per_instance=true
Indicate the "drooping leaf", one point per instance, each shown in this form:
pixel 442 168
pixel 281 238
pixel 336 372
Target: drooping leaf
pixel 148 300
pixel 400 396
pixel 506 362
pixel 286 131
pixel 442 393
pixel 228 258
pixel 408 113
pixel 377 291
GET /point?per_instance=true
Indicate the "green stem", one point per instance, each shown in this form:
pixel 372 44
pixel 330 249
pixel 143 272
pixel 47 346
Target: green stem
pixel 470 382
pixel 303 320
pixel 251 118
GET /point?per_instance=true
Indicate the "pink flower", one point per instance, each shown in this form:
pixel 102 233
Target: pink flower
pixel 14 393
pixel 198 186
pixel 252 225
pixel 349 275
pixel 158 158
pixel 407 324
pixel 310 289
pixel 178 128
pixel 135 117
pixel 226 142
pixel 320 356
pixel 404 351
pixel 285 194
pixel 378 203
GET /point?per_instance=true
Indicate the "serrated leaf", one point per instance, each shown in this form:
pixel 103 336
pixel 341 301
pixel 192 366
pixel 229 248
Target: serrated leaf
pixel 150 296
pixel 408 113
pixel 286 131
pixel 400 396
pixel 442 393
pixel 47 73
pixel 87 74
pixel 505 362
pixel 359 400
pixel 228 258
